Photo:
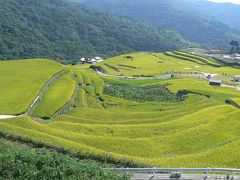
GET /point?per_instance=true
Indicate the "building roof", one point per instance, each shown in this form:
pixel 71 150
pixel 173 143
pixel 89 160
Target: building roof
pixel 98 58
pixel 215 81
pixel 227 56
pixel 238 55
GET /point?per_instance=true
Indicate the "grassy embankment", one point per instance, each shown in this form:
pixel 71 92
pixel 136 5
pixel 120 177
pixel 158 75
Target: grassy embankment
pixel 58 95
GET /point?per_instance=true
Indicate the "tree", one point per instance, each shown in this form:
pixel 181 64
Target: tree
pixel 232 42
pixel 234 46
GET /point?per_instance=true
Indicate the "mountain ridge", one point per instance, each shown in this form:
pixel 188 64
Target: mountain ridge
pixel 66 31
pixel 177 15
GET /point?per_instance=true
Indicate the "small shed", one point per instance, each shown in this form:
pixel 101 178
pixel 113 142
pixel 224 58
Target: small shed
pixel 236 78
pixel 215 82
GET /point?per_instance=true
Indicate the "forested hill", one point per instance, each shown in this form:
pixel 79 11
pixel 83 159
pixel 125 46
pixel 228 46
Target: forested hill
pixel 182 16
pixel 67 31
pixel 227 13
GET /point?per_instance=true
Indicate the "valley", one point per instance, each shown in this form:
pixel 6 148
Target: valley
pixel 119 89
pixel 75 112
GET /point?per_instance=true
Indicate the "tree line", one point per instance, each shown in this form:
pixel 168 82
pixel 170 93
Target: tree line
pixel 66 31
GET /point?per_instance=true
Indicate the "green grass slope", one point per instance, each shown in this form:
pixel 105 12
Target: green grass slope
pixel 21 82
pixel 58 95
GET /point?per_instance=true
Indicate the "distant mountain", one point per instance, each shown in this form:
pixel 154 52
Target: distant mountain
pixel 227 13
pixel 67 31
pixel 182 16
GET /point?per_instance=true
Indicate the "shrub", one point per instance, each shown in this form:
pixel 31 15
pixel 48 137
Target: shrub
pixel 156 93
pixel 25 163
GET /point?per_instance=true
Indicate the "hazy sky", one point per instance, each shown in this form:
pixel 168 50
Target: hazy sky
pixel 232 1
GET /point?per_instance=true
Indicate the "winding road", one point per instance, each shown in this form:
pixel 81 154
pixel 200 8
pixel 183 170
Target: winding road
pixel 7 116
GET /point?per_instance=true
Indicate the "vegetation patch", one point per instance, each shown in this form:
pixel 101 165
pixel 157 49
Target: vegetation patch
pixel 129 57
pixel 154 93
pixel 112 67
pixel 185 92
pixel 125 69
pixel 18 162
pixel 97 68
pixel 127 66
pixel 234 102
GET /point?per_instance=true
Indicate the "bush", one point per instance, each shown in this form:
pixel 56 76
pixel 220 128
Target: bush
pixel 156 93
pixel 25 163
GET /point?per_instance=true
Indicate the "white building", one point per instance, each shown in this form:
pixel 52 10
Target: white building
pixel 236 78
pixel 227 57
pixel 90 60
pixel 99 58
pixel 236 55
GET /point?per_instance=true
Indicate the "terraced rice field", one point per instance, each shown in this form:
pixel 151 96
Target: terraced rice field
pixel 57 96
pixel 146 64
pixel 200 131
pixel 21 82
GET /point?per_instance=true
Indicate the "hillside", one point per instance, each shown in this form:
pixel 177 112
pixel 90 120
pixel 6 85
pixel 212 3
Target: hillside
pixel 65 31
pixel 183 16
pixel 226 13
pixel 179 121
pixel 180 62
pixel 18 82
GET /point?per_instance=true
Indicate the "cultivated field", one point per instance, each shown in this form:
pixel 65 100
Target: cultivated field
pixel 157 63
pixel 21 82
pixel 56 97
pixel 196 129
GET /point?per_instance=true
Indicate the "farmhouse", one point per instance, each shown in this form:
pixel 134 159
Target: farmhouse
pixel 236 55
pixel 231 57
pixel 224 56
pixel 236 78
pixel 215 82
pixel 99 59
pixel 90 60
pixel 215 51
